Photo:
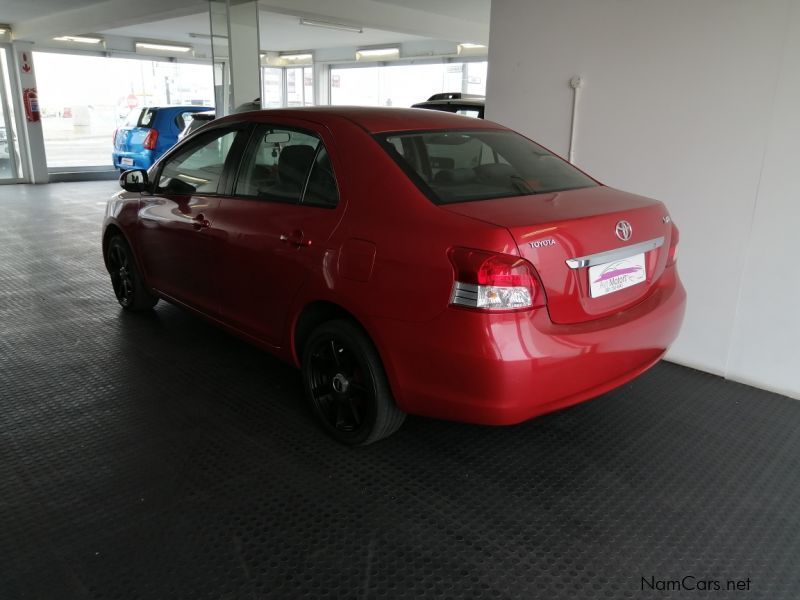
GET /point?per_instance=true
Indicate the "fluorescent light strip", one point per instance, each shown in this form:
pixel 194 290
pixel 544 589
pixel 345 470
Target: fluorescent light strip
pixel 162 47
pixel 79 39
pixel 297 57
pixel 471 46
pixel 330 25
pixel 377 53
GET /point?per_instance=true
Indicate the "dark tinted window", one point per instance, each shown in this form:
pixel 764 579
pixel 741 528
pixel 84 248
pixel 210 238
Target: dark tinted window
pixel 277 165
pixel 197 169
pixel 458 166
pixel 321 189
pixel 183 119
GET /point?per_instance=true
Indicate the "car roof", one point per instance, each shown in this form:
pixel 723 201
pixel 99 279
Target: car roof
pixel 373 119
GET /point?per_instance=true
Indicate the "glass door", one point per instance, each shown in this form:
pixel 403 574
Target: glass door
pixel 10 168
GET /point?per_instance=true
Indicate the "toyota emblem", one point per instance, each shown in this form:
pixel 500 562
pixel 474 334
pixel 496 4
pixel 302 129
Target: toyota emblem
pixel 624 230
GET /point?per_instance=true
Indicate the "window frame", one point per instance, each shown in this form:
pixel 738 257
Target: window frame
pixel 252 147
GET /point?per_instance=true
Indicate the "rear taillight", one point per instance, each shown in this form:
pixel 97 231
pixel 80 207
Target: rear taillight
pixel 493 282
pixel 673 246
pixel 150 140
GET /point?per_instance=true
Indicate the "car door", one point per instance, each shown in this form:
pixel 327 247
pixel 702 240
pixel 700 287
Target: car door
pixel 178 239
pixel 284 207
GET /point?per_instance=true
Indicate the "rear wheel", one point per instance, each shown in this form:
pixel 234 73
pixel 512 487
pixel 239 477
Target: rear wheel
pixel 346 385
pixel 128 286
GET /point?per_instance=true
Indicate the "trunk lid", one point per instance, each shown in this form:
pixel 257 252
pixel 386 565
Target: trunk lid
pixel 554 228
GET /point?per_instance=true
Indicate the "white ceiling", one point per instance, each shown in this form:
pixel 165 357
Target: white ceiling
pixel 277 31
pixel 383 21
pixel 14 11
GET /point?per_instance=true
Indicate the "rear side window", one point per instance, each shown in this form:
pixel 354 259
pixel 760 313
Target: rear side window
pixel 278 164
pixel 321 189
pixel 197 169
pixel 183 119
pixel 460 166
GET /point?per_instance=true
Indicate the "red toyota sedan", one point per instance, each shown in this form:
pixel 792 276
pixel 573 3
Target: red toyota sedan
pixel 407 261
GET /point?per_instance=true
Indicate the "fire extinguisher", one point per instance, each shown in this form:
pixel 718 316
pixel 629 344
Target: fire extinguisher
pixel 31 101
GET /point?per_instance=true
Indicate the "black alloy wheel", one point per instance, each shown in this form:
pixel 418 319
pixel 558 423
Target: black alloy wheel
pixel 346 385
pixel 125 279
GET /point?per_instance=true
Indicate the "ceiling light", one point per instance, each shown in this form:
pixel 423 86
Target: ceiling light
pixel 162 47
pixel 78 39
pixel 377 53
pixel 297 56
pixel 331 25
pixel 470 49
pixel 4 29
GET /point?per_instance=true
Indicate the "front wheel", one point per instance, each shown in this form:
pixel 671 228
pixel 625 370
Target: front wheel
pixel 346 385
pixel 129 288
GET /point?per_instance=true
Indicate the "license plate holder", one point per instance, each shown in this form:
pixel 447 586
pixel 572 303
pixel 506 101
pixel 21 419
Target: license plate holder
pixel 616 275
pixel 128 162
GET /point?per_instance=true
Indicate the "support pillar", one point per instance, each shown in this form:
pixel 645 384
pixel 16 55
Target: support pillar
pixel 31 136
pixel 235 49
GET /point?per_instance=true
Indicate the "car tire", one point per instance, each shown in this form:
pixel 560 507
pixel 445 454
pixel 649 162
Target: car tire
pixel 129 288
pixel 346 385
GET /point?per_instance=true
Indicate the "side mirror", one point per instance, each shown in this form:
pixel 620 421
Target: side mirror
pixel 134 180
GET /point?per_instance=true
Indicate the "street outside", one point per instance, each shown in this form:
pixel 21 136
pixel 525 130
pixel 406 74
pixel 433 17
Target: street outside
pixel 69 144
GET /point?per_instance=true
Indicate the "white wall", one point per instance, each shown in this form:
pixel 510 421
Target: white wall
pixel 696 104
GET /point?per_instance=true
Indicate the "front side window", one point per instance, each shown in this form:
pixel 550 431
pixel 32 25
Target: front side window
pixel 278 165
pixel 460 166
pixel 198 168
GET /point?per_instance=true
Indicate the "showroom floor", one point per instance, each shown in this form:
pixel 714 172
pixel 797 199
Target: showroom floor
pixel 154 456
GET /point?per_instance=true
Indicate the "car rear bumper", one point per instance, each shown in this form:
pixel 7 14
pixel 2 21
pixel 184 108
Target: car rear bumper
pixel 500 369
pixel 141 160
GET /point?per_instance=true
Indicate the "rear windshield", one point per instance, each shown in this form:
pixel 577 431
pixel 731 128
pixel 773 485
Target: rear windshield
pixel 141 117
pixel 460 166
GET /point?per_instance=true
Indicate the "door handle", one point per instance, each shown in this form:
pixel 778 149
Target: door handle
pixel 297 239
pixel 200 222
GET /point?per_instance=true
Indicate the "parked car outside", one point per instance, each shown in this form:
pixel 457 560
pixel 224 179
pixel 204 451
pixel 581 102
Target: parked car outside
pixel 407 261
pixel 148 133
pixel 196 122
pixel 468 105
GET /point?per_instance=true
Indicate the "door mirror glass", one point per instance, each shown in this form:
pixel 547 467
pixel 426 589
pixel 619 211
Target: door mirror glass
pixel 134 180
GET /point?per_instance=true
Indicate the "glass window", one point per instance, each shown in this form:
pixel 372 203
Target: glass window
pixel 198 168
pixel 404 85
pixel 278 164
pixel 272 87
pixel 321 189
pixel 83 99
pixel 458 166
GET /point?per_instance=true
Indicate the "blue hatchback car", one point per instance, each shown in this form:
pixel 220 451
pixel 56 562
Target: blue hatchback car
pixel 148 133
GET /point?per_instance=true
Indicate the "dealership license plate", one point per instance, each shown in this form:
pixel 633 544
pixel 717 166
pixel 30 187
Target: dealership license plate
pixel 126 161
pixel 616 275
